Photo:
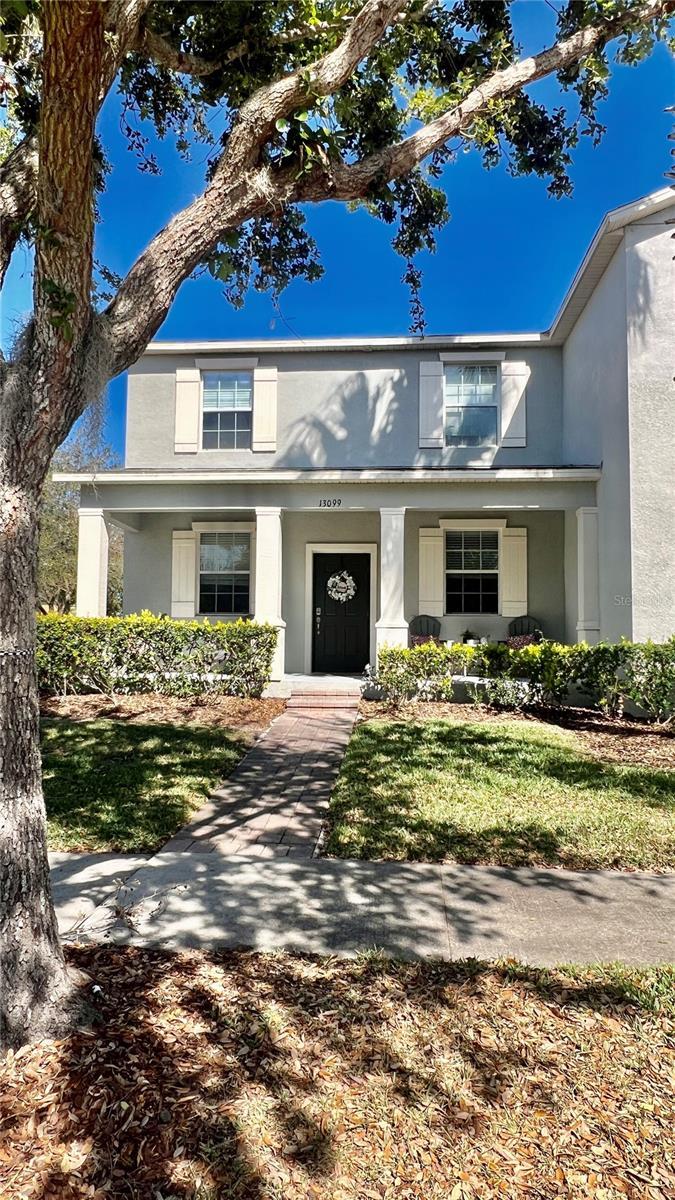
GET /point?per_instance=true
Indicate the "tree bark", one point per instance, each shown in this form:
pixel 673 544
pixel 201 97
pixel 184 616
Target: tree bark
pixel 34 981
pixel 58 370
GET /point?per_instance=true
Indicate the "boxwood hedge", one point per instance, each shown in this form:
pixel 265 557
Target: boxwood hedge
pixel 148 653
pixel 606 674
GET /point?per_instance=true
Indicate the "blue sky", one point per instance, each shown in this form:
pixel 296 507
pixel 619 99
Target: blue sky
pixel 503 262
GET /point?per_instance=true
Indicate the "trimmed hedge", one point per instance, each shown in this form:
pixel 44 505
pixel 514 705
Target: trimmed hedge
pixel 148 653
pixel 607 674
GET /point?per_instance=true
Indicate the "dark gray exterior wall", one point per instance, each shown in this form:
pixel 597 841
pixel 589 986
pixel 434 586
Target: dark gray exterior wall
pixel 342 409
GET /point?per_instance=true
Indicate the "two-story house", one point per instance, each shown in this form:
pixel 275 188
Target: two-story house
pixel 338 487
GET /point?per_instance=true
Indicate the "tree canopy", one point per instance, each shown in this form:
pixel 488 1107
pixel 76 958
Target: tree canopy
pixel 321 99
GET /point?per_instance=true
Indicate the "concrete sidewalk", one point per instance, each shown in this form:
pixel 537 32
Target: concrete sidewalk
pixel 338 907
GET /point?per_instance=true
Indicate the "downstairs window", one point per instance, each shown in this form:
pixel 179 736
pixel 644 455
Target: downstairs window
pixel 472 571
pixel 225 573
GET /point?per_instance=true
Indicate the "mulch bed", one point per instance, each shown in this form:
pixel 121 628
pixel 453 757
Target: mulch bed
pixel 250 716
pixel 241 1076
pixel 624 741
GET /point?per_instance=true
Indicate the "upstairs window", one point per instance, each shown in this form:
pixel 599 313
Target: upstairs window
pixel 227 410
pixel 472 571
pixel 225 573
pixel 470 416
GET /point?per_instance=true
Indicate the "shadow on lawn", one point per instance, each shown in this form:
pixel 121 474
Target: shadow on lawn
pixel 116 785
pixel 187 1064
pixel 374 812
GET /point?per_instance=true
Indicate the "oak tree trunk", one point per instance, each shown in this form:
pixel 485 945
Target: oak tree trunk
pixel 34 982
pixel 59 367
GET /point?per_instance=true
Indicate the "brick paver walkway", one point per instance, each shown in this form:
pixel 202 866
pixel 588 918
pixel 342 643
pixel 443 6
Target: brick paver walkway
pixel 274 803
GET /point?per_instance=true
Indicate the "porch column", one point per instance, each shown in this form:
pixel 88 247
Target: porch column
pixel 92 564
pixel 588 576
pixel 268 579
pixel 392 627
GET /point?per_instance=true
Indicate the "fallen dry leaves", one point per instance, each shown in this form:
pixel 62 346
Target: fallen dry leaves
pixel 245 1076
pixel 221 711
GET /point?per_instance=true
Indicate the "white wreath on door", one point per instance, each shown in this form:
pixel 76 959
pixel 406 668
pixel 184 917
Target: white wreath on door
pixel 341 586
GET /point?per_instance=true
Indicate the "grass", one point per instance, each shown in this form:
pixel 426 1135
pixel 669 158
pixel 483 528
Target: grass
pixel 512 793
pixel 112 785
pixel 282 1077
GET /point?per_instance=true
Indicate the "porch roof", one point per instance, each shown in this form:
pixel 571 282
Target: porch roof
pixel 377 475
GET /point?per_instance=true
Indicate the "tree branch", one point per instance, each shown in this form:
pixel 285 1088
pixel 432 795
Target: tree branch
pixel 351 181
pixel 240 189
pixel 18 180
pixel 19 172
pixel 257 117
pixel 154 46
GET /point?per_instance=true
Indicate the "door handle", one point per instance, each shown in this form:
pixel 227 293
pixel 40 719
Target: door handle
pixel 317 616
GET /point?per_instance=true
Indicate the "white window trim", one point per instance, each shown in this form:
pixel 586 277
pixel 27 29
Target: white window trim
pixel 224 364
pixel 200 527
pixel 497 357
pixel 489 356
pixel 313 548
pixel 491 524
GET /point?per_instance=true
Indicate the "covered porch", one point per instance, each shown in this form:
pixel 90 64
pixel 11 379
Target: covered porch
pixel 342 564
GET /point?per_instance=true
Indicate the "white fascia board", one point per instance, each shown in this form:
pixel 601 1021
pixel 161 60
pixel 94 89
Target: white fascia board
pixel 381 475
pixel 345 343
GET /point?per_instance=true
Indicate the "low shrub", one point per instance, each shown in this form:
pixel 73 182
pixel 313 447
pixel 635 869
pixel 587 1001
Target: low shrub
pixel 148 653
pixel 537 673
pixel 649 671
pixel 424 671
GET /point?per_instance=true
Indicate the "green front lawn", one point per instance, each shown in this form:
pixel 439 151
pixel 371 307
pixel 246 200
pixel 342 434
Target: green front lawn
pixel 112 785
pixel 509 792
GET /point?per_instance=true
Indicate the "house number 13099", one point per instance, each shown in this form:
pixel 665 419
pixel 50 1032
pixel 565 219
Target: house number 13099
pixel 330 503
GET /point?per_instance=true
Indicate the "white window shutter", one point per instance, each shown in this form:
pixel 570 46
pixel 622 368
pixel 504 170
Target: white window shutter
pixel 513 573
pixel 264 409
pixel 431 405
pixel 515 376
pixel 431 573
pixel 183 573
pixel 188 410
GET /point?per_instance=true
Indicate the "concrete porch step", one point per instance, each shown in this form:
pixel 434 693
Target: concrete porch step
pixel 321 700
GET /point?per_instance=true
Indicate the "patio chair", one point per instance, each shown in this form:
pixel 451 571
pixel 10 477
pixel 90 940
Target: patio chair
pixel 526 627
pixel 424 626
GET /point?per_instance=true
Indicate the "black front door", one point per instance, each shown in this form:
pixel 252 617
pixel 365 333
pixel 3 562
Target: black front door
pixel 341 613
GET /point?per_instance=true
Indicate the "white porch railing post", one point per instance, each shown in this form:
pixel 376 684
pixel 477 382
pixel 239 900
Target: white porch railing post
pixel 92 564
pixel 392 627
pixel 588 576
pixel 268 549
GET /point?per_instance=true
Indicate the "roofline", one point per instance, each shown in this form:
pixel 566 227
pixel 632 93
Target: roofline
pixel 596 257
pixel 367 475
pixel 609 232
pixel 262 345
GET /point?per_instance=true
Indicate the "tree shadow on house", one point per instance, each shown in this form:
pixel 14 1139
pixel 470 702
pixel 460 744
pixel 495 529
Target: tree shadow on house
pixel 365 420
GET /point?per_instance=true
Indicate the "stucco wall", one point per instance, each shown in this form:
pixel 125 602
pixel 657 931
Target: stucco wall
pixel 347 409
pixel 595 421
pixel 619 406
pixel 651 366
pixel 147 566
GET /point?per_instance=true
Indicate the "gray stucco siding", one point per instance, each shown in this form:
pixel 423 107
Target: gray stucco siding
pixel 147 566
pixel 595 421
pixel 650 290
pixel 341 410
